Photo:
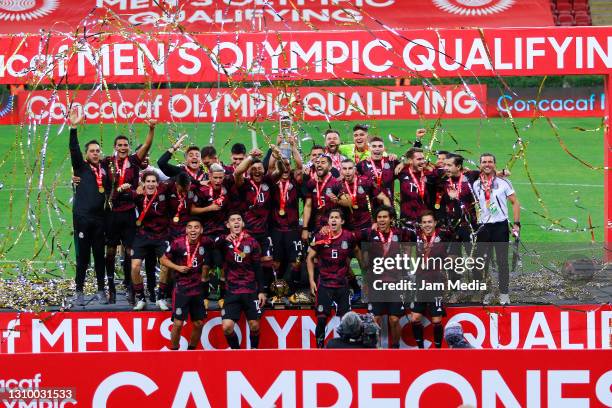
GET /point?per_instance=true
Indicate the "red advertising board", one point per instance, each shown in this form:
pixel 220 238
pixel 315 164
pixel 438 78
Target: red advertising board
pixel 516 327
pixel 314 378
pixel 258 15
pixel 243 104
pixel 312 55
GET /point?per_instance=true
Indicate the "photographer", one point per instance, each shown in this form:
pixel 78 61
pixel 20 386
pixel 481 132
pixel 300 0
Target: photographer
pixel 355 331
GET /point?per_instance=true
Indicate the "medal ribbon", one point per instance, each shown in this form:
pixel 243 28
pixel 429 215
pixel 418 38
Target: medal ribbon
pixel 122 171
pixel 419 183
pixel 257 190
pixel 486 184
pixel 283 187
pixel 146 205
pixel 378 173
pixel 428 244
pixel 353 193
pixel 193 254
pixel 236 243
pixel 320 188
pixel 386 242
pixel 97 171
pixel 181 204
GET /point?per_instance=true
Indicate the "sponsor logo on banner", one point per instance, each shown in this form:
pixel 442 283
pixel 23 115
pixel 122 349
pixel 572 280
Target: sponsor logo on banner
pixel 474 7
pixel 518 327
pixel 21 10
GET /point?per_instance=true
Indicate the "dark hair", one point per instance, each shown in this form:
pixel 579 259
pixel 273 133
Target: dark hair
pixel 182 179
pixel 376 139
pixel 255 161
pixel 90 143
pixel 234 212
pixel 444 152
pixel 457 159
pixel 316 147
pixel 192 219
pixel 329 131
pixel 338 210
pixel 120 137
pixel 427 213
pixel 488 155
pixel 410 153
pixel 190 148
pixel 348 161
pixel 148 173
pixel 363 127
pixel 238 148
pixel 386 208
pixel 209 151
pixel 326 157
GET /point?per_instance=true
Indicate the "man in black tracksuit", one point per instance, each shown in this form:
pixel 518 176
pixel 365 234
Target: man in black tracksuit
pixel 88 209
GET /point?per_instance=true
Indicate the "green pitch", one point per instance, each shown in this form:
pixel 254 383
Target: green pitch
pixel 36 224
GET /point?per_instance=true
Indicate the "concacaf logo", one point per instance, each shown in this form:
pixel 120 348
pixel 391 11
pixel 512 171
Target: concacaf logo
pixel 474 7
pixel 24 10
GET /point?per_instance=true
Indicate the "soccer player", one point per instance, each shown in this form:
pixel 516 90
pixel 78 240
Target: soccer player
pixel 493 194
pixel 333 251
pixel 88 208
pixel 285 220
pixel 431 248
pixel 358 150
pixel 379 168
pixel 385 239
pixel 415 187
pixel 238 154
pixel 151 232
pixel 120 223
pixel 211 203
pixel 192 165
pixel 244 278
pixel 332 144
pixel 179 196
pixel 256 193
pixel 189 257
pixel 441 156
pixel 310 169
pixel 359 195
pixel 209 156
pixel 322 194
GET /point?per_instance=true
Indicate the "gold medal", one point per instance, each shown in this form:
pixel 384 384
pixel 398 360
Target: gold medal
pixel 175 219
pixel 437 206
pixel 281 212
pixel 355 206
pixel 101 189
pixel 138 223
pixel 242 255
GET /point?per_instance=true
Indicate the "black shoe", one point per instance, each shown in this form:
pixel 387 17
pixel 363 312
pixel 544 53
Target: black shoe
pixel 152 297
pixel 112 295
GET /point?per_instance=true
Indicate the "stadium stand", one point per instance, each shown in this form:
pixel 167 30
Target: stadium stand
pixel 576 12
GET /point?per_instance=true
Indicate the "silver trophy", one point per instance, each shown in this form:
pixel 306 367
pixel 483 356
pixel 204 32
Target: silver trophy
pixel 285 126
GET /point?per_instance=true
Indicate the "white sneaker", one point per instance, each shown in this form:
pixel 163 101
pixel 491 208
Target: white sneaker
pixel 504 299
pixel 140 305
pixel 163 305
pixel 488 298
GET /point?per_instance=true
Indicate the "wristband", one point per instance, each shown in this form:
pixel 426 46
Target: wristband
pixel 517 223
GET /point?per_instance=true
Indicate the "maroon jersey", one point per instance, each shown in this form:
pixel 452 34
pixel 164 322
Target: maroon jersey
pixel 322 204
pixel 381 172
pixel 334 257
pixel 432 248
pixel 154 223
pixel 126 170
pixel 387 244
pixel 364 198
pixel 196 255
pixel 257 199
pixel 178 208
pixel 462 210
pixel 214 221
pixel 415 194
pixel 290 221
pixel 241 265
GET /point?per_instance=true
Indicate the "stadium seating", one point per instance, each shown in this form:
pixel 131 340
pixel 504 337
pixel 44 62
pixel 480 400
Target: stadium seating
pixel 573 12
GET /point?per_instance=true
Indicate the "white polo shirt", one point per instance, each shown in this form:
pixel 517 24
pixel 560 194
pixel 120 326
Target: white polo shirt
pixel 497 210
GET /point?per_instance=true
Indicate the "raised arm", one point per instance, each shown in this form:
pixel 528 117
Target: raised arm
pixel 163 163
pixel 244 166
pixel 146 146
pixel 76 156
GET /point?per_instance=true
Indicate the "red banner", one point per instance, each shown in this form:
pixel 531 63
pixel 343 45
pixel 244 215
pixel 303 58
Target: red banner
pixel 311 55
pixel 228 105
pixel 548 102
pixel 516 327
pixel 257 15
pixel 315 378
